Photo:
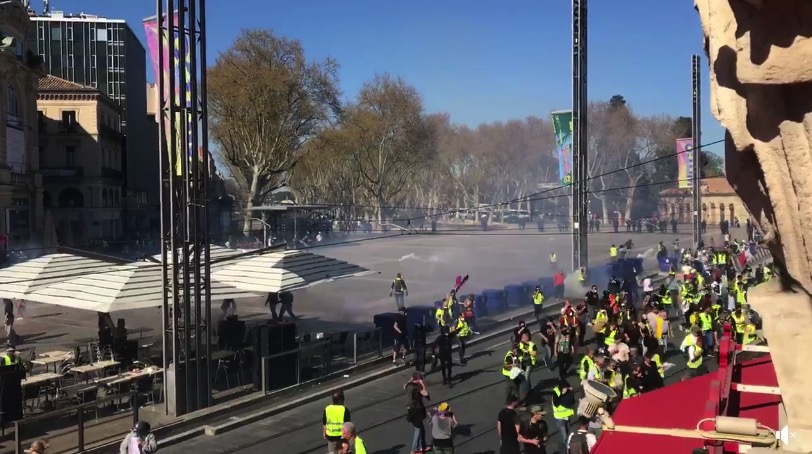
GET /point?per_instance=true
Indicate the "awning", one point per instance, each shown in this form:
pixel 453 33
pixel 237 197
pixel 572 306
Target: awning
pixel 677 406
pixel 18 281
pixel 124 287
pixel 285 271
pixel 215 253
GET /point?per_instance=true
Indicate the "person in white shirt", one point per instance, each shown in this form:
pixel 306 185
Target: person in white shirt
pixel 583 429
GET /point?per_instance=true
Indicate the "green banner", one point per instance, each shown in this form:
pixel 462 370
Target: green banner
pixel 562 125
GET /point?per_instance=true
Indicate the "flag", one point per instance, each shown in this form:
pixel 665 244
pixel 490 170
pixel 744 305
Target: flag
pixel 685 163
pixel 562 125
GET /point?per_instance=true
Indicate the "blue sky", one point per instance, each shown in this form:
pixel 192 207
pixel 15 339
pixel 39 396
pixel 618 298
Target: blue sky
pixel 481 61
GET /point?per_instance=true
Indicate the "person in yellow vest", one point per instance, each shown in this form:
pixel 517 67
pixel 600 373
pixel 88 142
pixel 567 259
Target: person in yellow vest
pixel 513 360
pixel 349 433
pixel 538 304
pixel 442 317
pixel 582 276
pixel 766 273
pixel 11 357
pixel 599 326
pixel 741 294
pixel 656 361
pixel 661 329
pixel 667 303
pixel 529 352
pixel 611 334
pixel 587 363
pixel 553 260
pixel 462 331
pixel 708 331
pixel 750 335
pixel 695 355
pixel 740 322
pixel 633 383
pixel 333 418
pixel 613 253
pixel 563 408
pixel 612 376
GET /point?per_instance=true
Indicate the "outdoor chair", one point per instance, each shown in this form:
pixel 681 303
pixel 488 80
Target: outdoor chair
pixel 223 366
pixel 88 395
pixel 145 386
pixel 32 394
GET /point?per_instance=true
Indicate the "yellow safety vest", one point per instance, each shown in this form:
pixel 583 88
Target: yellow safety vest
pixel 741 297
pixel 462 329
pixel 10 360
pixel 750 335
pixel 707 321
pixel 659 324
pixel 601 316
pixel 538 298
pixel 505 368
pixel 553 258
pixel 666 299
pixel 693 364
pixel 440 315
pixel 586 364
pixel 739 321
pixel 560 411
pixel 530 350
pixel 335 419
pixel 628 391
pixel 612 251
pixel 610 338
pixel 767 274
pixel 358 446
pixel 659 363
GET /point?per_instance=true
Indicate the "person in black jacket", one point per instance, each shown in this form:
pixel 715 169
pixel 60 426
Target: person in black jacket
pixel 442 352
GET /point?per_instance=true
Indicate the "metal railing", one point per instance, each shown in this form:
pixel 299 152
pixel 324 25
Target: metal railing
pixel 319 358
pixel 79 410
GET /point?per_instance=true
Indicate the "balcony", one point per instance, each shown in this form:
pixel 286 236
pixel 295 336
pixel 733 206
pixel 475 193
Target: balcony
pixel 113 174
pixel 62 172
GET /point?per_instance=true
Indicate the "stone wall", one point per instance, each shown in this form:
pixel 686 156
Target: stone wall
pixel 761 91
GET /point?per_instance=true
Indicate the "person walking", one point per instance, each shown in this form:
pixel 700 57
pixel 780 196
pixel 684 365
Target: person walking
pixel 399 291
pixel 533 433
pixel 507 426
pixel 443 423
pixel 332 420
pixel 416 394
pixel 443 349
pixel 350 433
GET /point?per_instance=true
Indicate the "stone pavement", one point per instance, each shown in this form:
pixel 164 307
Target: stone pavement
pixel 378 409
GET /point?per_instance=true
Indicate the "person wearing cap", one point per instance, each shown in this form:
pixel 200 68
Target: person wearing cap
pixel 139 440
pixel 443 423
pixel 333 417
pixel 11 357
pixel 538 303
pixel 350 433
pixel 533 433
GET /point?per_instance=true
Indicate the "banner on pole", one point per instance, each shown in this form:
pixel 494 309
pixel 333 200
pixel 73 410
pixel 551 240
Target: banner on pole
pixel 183 88
pixel 562 125
pixel 685 163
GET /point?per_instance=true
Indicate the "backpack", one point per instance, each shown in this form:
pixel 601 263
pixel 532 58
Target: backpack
pixel 564 345
pixel 578 443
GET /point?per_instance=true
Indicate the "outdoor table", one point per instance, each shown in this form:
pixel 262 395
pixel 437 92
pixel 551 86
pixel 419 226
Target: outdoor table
pixel 129 376
pixel 46 359
pixel 40 378
pixel 95 367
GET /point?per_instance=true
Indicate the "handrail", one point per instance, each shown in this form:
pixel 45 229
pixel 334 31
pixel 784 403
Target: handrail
pixel 79 409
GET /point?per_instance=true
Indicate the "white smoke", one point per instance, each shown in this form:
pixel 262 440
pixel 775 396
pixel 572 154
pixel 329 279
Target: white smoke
pixel 417 258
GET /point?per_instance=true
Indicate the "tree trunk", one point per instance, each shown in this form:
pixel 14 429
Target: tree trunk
pixel 249 203
pixel 629 203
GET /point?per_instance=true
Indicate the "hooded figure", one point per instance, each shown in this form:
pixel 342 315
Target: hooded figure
pixel 139 441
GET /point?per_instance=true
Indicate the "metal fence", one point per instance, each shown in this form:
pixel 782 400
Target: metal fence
pixel 318 358
pixel 32 428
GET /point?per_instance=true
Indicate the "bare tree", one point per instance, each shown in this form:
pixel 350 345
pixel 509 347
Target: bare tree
pixel 389 139
pixel 266 102
pixel 651 134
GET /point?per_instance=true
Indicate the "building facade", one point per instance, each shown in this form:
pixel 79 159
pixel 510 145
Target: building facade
pixel 21 213
pixel 719 203
pixel 105 54
pixel 81 160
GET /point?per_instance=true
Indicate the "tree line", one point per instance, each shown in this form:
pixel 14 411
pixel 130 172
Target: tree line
pixel 277 118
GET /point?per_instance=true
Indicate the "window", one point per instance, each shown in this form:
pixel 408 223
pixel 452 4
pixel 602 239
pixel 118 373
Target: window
pixel 56 34
pixel 70 157
pixel 69 120
pixel 70 60
pixel 70 32
pixel 12 106
pixel 101 34
pixel 93 61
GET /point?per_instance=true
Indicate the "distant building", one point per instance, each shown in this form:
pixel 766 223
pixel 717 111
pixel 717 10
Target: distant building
pixel 105 54
pixel 21 215
pixel 81 161
pixel 719 202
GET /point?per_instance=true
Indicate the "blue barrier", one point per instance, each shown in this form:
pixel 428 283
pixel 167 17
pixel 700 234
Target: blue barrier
pixel 494 300
pixel 515 295
pixel 480 306
pixel 665 264
pixel 385 322
pixel 529 286
pixel 547 286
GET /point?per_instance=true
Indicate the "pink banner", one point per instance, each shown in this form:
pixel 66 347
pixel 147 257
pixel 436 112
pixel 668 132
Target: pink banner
pixel 685 163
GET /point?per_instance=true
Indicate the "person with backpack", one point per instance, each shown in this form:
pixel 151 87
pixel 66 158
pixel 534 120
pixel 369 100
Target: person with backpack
pixel 416 393
pixel 581 441
pixel 564 351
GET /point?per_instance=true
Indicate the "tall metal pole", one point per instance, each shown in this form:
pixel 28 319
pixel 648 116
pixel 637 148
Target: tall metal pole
pixel 696 138
pixel 580 144
pixel 187 292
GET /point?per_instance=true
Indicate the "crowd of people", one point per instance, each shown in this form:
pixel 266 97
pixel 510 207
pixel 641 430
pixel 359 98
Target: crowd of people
pixel 616 337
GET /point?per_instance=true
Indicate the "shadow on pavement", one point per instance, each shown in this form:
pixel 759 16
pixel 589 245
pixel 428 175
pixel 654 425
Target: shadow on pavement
pixel 393 450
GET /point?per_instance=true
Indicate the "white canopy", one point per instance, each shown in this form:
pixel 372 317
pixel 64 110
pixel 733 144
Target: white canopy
pixel 215 253
pixel 284 271
pixel 18 281
pixel 134 286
